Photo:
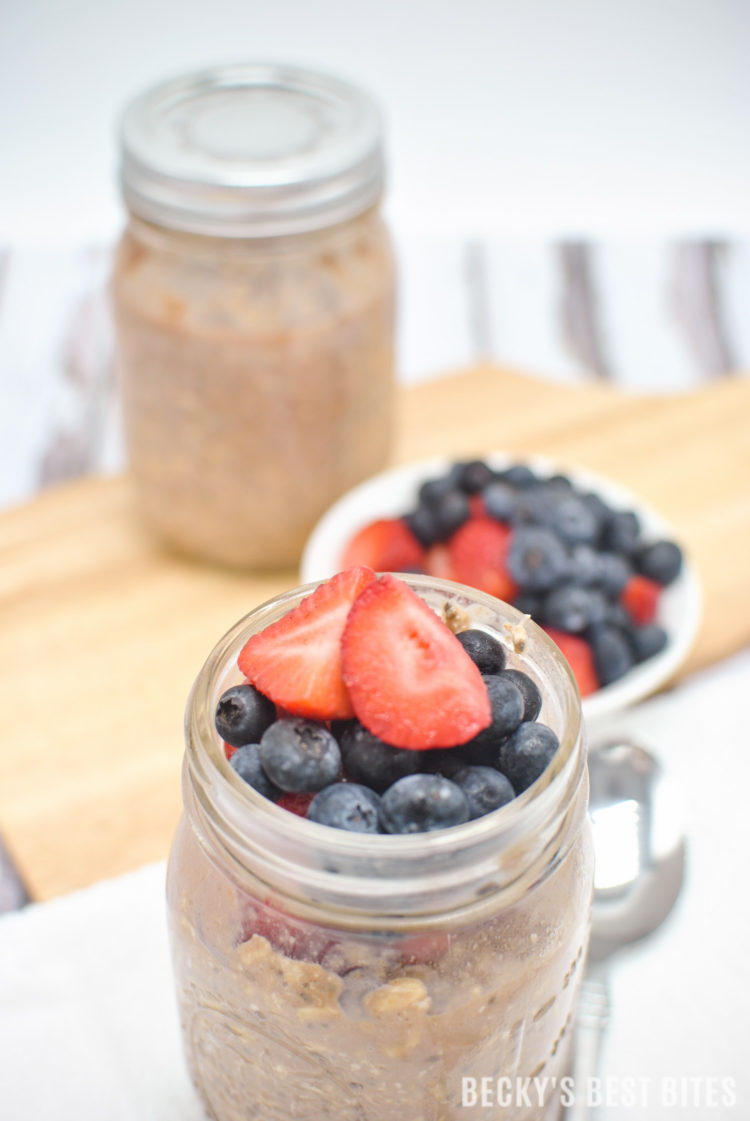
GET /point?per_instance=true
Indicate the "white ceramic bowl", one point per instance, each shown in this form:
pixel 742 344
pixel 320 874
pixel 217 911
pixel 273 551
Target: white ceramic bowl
pixel 394 492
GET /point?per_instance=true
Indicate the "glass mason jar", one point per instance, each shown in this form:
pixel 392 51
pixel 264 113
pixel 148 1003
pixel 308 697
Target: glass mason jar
pixel 253 293
pixel 324 974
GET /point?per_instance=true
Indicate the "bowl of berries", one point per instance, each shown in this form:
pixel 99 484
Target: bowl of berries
pixel 597 568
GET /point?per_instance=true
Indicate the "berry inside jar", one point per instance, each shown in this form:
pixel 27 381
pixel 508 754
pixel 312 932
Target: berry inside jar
pixel 364 710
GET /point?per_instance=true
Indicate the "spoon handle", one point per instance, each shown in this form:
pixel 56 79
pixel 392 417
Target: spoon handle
pixel 592 1017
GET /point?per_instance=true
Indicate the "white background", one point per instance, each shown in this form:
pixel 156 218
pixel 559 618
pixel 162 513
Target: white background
pixel 503 115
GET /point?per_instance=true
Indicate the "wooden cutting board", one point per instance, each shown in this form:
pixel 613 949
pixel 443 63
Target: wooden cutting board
pixel 102 632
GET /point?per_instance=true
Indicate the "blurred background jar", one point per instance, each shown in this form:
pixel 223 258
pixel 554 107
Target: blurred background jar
pixel 254 306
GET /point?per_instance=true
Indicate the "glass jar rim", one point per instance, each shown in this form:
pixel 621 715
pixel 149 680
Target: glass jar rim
pixel 384 876
pixel 251 150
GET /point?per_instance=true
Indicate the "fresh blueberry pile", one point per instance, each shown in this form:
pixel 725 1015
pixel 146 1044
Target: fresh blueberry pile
pixel 349 778
pixel 583 570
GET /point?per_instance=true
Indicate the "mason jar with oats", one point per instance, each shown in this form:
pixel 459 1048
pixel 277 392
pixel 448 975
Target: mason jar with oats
pixel 325 974
pixel 253 294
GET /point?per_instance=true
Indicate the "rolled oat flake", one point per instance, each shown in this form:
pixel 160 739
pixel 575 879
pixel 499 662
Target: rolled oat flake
pixel 253 294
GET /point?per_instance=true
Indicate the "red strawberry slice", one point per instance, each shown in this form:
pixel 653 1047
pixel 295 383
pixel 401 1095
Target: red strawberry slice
pixel 291 937
pixel 296 661
pixel 295 803
pixel 410 680
pixel 386 545
pixel 580 658
pixel 641 598
pixel 476 505
pixel 422 949
pixel 437 562
pixel 478 551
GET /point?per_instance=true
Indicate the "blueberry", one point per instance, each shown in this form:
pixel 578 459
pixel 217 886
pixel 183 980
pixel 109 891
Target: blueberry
pixel 421 803
pixel 485 651
pixel 584 567
pixel 339 727
pixel 423 523
pixel 446 761
pixel 573 609
pixel 246 762
pixel 660 561
pixel 243 714
pixel 571 519
pixel 622 532
pixel 500 500
pixel 507 704
pixel 371 761
pixel 617 615
pixel 530 603
pixel 601 511
pixel 433 489
pixel 474 475
pixel 527 754
pixel 519 475
pixel 456 471
pixel 451 511
pixel 485 789
pixel 613 656
pixel 648 640
pixel 438 519
pixel 537 558
pixel 529 690
pixel 614 573
pixel 299 756
pixel 561 484
pixel 533 505
pixel 346 805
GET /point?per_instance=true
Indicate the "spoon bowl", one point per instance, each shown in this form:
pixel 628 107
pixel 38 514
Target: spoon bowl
pixel 639 846
pixel 638 826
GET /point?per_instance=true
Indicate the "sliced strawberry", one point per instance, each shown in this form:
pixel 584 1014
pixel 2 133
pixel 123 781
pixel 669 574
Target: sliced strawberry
pixel 437 562
pixel 641 598
pixel 387 545
pixel 476 505
pixel 289 936
pixel 296 661
pixel 478 551
pixel 295 803
pixel 229 750
pixel 580 658
pixel 424 949
pixel 409 678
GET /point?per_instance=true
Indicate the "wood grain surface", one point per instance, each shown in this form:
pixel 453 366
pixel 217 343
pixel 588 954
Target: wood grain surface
pixel 102 631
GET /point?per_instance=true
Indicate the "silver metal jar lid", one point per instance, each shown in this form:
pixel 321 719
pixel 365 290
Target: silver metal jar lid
pixel 253 150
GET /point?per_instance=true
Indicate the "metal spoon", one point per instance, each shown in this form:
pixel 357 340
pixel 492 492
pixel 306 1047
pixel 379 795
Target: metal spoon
pixel 640 854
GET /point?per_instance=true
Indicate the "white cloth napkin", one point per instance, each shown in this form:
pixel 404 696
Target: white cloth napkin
pixel 88 1024
pixel 88 1021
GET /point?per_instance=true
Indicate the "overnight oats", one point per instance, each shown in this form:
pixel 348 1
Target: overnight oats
pixel 253 293
pixel 379 892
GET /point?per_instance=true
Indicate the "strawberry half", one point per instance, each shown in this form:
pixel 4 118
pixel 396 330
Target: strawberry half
pixel 580 658
pixel 641 598
pixel 295 803
pixel 437 562
pixel 296 661
pixel 409 678
pixel 478 552
pixel 386 545
pixel 292 937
